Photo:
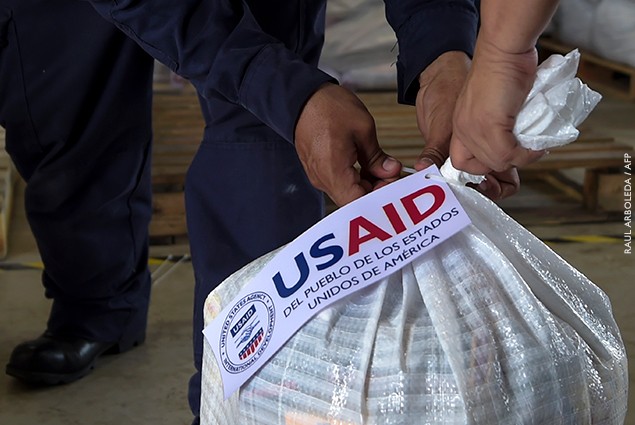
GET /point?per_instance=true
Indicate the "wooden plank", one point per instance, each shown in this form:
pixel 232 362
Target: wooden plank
pixel 553 161
pixel 168 170
pixel 565 186
pixel 8 177
pixel 173 159
pixel 168 215
pixel 4 225
pixel 590 146
pixel 169 179
pixel 168 203
pixel 179 148
pixel 410 143
pixel 590 190
pixel 610 196
pixel 178 130
pixel 587 160
pixel 173 226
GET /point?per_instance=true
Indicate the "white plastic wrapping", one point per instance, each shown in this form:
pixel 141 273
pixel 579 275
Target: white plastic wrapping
pixel 490 327
pixel 556 104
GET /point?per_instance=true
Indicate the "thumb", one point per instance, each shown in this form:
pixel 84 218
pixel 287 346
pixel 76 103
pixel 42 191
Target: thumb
pixel 375 162
pixel 432 155
pixel 390 167
pixel 464 160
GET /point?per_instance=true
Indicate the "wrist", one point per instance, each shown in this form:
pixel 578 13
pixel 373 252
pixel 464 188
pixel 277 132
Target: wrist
pixel 448 63
pixel 489 56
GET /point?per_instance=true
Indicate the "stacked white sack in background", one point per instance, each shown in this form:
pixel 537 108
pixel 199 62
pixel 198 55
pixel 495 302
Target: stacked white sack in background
pixel 604 27
pixel 359 46
pixel 490 327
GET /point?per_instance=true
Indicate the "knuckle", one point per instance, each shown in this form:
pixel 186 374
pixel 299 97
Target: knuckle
pixel 366 126
pixel 460 162
pixel 434 154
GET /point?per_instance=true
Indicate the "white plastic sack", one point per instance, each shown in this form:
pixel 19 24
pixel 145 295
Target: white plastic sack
pixel 491 327
pixel 603 27
pixel 614 31
pixel 359 45
pixel 575 22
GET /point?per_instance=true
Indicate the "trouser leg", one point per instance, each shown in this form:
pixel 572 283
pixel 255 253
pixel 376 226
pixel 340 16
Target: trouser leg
pixel 75 100
pixel 243 200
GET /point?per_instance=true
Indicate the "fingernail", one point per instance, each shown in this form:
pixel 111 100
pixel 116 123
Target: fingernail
pixel 390 163
pixel 483 185
pixel 425 161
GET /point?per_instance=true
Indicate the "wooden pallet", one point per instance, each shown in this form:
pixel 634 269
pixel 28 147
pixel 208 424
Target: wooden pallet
pixel 607 77
pixel 178 128
pixel 8 177
pixel 600 157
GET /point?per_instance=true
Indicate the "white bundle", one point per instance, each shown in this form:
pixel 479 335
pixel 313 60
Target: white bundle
pixel 359 45
pixel 490 327
pixel 614 31
pixel 556 104
pixel 604 27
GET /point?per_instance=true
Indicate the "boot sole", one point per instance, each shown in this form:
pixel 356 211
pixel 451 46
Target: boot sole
pixel 51 379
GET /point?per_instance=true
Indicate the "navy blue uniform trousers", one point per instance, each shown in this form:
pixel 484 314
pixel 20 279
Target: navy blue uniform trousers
pixel 75 102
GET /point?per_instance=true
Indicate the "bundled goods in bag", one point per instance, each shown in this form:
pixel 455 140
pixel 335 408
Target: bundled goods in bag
pixel 420 303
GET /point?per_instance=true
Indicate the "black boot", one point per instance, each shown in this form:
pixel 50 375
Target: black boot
pixel 58 359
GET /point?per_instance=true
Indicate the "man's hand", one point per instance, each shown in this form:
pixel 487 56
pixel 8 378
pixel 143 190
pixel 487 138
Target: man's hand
pixel 334 132
pixel 499 185
pixel 440 85
pixel 496 88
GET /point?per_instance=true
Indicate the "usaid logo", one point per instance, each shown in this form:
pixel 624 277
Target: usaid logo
pixel 362 230
pixel 246 331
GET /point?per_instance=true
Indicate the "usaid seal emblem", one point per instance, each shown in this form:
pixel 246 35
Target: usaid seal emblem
pixel 246 331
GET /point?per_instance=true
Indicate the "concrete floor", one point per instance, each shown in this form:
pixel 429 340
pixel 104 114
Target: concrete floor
pixel 148 384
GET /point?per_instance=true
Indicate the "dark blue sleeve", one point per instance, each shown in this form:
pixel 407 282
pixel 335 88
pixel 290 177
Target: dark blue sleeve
pixel 426 29
pixel 219 46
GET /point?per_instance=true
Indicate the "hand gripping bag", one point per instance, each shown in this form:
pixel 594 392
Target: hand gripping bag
pixel 490 327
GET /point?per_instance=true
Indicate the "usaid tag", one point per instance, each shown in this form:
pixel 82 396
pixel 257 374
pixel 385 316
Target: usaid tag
pixel 348 250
